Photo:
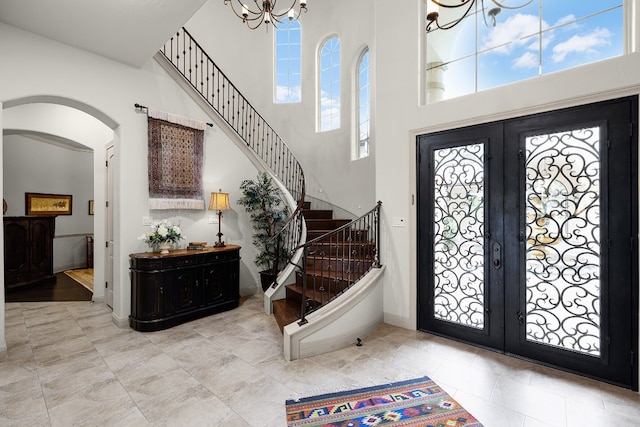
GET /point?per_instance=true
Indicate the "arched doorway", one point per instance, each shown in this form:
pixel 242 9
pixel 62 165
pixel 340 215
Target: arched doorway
pixel 76 126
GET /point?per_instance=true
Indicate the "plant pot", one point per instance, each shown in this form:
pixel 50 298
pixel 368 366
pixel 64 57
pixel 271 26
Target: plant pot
pixel 164 248
pixel 267 277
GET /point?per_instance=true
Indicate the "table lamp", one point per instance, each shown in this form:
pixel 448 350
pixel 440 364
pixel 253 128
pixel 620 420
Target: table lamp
pixel 219 202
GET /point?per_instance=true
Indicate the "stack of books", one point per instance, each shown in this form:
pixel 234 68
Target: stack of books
pixel 197 246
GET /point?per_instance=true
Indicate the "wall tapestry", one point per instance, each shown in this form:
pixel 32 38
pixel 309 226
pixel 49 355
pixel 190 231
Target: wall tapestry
pixel 175 161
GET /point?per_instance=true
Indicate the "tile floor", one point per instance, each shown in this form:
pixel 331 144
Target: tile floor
pixel 68 365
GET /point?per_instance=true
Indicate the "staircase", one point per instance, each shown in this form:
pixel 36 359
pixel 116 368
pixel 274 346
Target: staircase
pixel 338 253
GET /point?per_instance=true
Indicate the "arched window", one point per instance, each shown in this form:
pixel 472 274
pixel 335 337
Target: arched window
pixel 288 77
pixel 329 102
pixel 364 105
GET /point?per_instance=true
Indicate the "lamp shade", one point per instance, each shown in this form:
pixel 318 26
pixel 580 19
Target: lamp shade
pixel 219 201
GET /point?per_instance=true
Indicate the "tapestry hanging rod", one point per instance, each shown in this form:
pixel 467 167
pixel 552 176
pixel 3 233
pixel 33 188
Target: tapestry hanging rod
pixel 146 109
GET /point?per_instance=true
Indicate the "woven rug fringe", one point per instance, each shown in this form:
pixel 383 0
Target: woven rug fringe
pixel 176 204
pixel 174 118
pixel 348 387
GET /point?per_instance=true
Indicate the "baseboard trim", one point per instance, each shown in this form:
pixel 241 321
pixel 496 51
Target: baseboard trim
pixel 119 322
pixel 399 321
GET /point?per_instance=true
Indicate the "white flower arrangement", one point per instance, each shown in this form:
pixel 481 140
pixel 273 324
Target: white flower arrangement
pixel 162 231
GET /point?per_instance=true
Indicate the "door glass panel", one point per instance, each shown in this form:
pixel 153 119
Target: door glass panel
pixel 562 187
pixel 458 241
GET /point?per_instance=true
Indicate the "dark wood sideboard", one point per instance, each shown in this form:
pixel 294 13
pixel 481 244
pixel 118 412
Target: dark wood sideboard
pixel 167 290
pixel 28 250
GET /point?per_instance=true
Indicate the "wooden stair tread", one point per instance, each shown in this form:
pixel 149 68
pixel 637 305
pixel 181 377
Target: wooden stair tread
pixel 317 214
pixel 333 259
pixel 317 296
pixel 325 223
pixel 358 243
pixel 285 312
pixel 350 249
pixel 339 276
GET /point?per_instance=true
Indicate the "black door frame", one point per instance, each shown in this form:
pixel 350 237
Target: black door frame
pixel 491 336
pixel 499 192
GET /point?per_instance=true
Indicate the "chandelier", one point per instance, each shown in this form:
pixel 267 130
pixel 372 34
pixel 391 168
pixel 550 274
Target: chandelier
pixel 432 17
pixel 265 11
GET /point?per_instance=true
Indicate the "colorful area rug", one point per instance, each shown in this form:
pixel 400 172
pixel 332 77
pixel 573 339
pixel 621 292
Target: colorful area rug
pixel 84 276
pixel 417 402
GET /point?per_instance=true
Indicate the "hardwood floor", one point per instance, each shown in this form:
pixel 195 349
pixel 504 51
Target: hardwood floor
pixel 63 289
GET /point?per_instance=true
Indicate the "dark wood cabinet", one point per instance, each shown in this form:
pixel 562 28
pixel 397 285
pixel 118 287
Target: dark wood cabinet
pixel 28 250
pixel 167 290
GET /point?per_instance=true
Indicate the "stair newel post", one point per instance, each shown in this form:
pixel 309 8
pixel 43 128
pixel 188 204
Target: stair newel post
pixel 303 299
pixel 376 219
pixel 277 261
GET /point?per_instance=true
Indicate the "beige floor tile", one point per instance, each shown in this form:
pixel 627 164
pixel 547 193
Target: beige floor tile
pixel 488 413
pixel 69 365
pixel 22 403
pixel 533 402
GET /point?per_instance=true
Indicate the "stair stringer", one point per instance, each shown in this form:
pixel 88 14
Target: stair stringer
pixel 355 314
pixel 292 204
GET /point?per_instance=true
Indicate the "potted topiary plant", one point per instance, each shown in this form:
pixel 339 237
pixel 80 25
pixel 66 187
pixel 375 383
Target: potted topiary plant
pixel 262 200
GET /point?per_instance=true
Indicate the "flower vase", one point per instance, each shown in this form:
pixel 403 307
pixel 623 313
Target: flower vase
pixel 164 248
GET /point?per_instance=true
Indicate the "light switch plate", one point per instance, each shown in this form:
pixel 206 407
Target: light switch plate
pixel 399 221
pixel 146 220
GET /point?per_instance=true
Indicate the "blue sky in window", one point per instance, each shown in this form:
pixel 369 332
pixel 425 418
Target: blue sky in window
pixel 364 106
pixel 288 57
pixel 330 85
pixel 543 37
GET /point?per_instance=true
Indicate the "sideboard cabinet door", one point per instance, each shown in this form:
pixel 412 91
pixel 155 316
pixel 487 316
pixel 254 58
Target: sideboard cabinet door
pixel 148 299
pixel 186 288
pixel 167 290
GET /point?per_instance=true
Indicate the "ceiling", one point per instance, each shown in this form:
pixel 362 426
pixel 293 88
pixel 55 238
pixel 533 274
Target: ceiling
pixel 128 31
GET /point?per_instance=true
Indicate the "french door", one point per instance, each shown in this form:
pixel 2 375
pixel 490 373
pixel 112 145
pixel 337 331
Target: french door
pixel 528 238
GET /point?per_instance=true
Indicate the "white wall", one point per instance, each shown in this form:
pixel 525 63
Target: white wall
pixel 401 118
pixel 108 90
pixel 247 58
pixel 32 166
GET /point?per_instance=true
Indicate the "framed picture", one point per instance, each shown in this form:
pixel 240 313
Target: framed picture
pixel 47 204
pixel 90 207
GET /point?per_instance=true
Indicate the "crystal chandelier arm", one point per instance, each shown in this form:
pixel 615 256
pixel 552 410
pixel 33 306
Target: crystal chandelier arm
pixel 278 16
pixel 231 3
pixel 454 6
pixel 250 17
pixel 265 11
pixel 512 7
pixel 287 13
pixel 452 24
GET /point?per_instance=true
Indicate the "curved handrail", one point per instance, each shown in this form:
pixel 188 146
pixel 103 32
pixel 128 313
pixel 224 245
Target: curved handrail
pixel 195 65
pixel 335 261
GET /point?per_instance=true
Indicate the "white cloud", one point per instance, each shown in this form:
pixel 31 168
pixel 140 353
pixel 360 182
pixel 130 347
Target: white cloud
pixel 528 60
pixel 582 44
pixel 288 94
pixel 510 32
pixel 329 112
pixel 565 20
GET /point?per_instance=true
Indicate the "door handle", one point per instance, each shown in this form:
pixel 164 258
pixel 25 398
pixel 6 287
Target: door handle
pixel 496 255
